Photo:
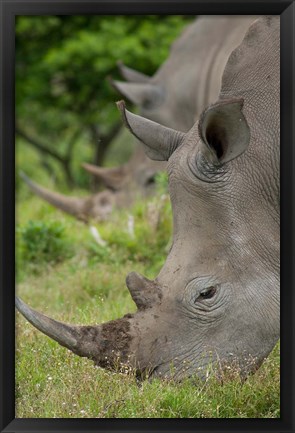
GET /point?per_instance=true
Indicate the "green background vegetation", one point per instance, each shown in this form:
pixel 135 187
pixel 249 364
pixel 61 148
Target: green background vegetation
pixel 65 106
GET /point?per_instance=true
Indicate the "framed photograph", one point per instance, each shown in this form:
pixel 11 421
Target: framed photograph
pixel 146 170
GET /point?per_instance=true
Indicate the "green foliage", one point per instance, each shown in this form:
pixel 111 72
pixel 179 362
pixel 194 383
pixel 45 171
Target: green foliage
pixel 89 288
pixel 62 64
pixel 141 237
pixel 162 182
pixel 43 242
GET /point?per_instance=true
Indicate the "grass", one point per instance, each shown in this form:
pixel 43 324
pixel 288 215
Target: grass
pixel 88 286
pixel 53 383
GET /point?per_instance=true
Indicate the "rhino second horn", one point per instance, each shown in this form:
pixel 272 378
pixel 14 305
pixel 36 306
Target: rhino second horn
pixel 145 293
pixel 111 177
pixel 160 142
pixel 132 75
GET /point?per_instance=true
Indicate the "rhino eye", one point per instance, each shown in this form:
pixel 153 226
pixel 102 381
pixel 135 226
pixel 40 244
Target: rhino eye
pixel 150 180
pixel 147 104
pixel 207 293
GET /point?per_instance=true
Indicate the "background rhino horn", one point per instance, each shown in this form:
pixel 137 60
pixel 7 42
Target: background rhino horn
pixel 71 205
pixel 160 141
pixel 145 95
pixel 113 178
pixel 99 343
pixel 132 75
pixel 145 293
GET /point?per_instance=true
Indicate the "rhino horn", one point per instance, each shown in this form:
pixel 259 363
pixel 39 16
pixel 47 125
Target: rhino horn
pixel 111 177
pixel 145 95
pixel 145 293
pixel 159 141
pixel 71 205
pixel 132 75
pixel 99 342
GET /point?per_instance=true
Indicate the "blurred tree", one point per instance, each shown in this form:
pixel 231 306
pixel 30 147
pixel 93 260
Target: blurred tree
pixel 62 63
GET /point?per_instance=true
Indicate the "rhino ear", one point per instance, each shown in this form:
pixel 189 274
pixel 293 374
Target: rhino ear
pixel 224 130
pixel 159 141
pixel 131 75
pixel 145 95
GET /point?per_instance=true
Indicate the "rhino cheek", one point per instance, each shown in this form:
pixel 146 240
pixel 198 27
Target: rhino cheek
pixel 166 346
pixel 181 356
pixel 240 339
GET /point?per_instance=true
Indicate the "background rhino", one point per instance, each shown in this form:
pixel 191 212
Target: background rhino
pixel 124 185
pixel 217 296
pixel 199 55
pixel 190 78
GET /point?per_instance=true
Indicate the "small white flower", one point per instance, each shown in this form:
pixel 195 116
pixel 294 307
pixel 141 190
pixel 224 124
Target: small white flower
pixel 97 237
pixel 130 226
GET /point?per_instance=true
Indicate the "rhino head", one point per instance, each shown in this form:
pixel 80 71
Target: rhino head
pixel 97 206
pixel 190 78
pixel 135 177
pixel 216 298
pixel 124 184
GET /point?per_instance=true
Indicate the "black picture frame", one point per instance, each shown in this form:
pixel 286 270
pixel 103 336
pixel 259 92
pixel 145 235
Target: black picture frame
pixel 9 10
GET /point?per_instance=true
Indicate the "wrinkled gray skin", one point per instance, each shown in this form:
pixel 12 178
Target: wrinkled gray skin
pixel 217 296
pixel 123 184
pixel 190 79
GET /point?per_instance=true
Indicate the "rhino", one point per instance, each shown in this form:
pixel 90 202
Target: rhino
pixel 216 299
pixel 190 78
pixel 200 53
pixel 124 184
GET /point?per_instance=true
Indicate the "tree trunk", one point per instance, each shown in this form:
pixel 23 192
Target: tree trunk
pixel 101 145
pixel 64 161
